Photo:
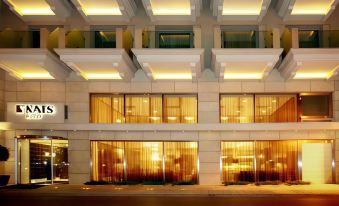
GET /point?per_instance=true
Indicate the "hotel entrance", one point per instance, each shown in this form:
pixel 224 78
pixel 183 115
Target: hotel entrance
pixel 41 159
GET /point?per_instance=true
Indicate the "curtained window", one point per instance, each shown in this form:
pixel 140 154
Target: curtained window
pixel 236 109
pixel 143 109
pixel 180 109
pixel 275 108
pixel 107 108
pixel 151 162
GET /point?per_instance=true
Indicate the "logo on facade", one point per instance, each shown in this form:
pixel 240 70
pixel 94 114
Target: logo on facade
pixel 35 111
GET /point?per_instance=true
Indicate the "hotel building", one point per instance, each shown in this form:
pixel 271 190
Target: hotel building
pixel 181 91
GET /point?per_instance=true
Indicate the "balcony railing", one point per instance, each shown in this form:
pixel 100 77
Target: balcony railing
pixel 246 39
pixel 19 39
pixel 167 39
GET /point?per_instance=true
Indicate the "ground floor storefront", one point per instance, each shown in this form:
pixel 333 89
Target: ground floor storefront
pixel 151 158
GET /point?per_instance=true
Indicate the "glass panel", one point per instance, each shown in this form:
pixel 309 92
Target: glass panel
pixel 23 161
pixel 107 161
pixel 40 161
pixel 277 160
pixel 167 39
pixel 60 160
pixel 181 160
pixel 180 109
pixel 144 161
pixel 105 39
pixel 19 39
pixel 76 39
pixel 275 108
pixel 237 161
pixel 309 39
pixel 247 39
pixel 236 109
pixel 107 109
pixel 143 109
pixel 315 105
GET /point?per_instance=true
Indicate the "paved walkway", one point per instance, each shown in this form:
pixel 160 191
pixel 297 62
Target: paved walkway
pixel 233 190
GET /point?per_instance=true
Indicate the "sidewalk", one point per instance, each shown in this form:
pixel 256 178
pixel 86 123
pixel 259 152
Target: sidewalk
pixel 168 190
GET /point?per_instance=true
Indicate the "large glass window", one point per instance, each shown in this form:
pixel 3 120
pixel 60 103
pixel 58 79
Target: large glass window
pixel 147 162
pixel 180 109
pixel 107 108
pixel 275 108
pixel 143 109
pixel 315 107
pixel 236 109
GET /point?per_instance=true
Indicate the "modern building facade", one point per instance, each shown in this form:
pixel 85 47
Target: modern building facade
pixel 181 91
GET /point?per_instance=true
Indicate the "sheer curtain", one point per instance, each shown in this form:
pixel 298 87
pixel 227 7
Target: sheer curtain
pixel 236 109
pixel 275 108
pixel 181 160
pixel 143 109
pixel 107 109
pixel 107 161
pixel 180 109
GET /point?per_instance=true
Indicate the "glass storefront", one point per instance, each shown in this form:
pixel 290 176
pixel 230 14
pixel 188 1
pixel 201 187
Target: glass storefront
pixel 147 162
pixel 42 160
pixel 290 160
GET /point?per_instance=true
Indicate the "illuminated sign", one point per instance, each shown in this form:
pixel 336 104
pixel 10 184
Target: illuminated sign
pixel 35 111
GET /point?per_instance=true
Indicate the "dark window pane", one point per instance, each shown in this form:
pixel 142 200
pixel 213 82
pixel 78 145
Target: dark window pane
pixel 317 105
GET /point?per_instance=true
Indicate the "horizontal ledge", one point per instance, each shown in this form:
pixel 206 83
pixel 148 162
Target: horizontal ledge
pixel 296 126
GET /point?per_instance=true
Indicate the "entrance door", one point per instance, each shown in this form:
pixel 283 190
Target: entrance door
pixel 42 161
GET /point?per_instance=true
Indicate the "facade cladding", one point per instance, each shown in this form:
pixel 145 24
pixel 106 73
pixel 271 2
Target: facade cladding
pixel 206 97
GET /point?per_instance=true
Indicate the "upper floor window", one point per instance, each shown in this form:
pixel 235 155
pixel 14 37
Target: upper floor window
pixel 315 106
pixel 175 39
pixel 134 108
pixel 236 108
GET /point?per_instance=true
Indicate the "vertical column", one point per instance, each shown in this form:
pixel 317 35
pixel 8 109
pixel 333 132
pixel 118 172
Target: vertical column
pixel 138 38
pixel 336 101
pixel 325 36
pixel 295 38
pixel 217 37
pixel 88 37
pixel 151 34
pixel 276 38
pixel 43 37
pixel 209 158
pixel 261 36
pixel 337 156
pixel 208 102
pixel 119 38
pixel 79 157
pixel 61 38
pixel 197 36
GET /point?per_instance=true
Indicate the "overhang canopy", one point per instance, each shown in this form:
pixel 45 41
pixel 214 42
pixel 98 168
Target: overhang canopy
pixel 310 64
pixel 27 64
pixel 171 64
pixel 244 64
pixel 94 64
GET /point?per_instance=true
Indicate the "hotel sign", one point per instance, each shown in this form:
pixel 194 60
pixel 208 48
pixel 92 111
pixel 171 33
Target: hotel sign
pixel 35 112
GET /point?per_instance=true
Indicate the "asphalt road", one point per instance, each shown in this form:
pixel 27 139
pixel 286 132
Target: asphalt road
pixel 169 200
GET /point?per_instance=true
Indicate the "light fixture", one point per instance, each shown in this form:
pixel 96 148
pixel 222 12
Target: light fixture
pixel 103 76
pixel 311 76
pixel 181 12
pixel 242 76
pixel 36 76
pixel 171 118
pixel 97 9
pixel 189 118
pixel 172 76
pixel 40 8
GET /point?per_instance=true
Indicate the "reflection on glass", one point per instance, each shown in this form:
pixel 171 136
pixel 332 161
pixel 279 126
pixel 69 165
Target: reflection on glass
pixel 60 160
pixel 143 109
pixel 236 109
pixel 180 109
pixel 107 109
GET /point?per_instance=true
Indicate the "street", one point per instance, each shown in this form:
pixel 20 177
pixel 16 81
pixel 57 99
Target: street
pixel 282 200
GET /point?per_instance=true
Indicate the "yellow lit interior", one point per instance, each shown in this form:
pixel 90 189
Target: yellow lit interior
pixel 242 7
pixel 100 7
pixel 172 7
pixel 95 70
pixel 31 7
pixel 312 7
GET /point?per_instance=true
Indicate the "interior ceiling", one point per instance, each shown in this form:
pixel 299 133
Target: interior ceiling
pixel 314 7
pixel 242 7
pixel 100 7
pixel 31 7
pixel 171 7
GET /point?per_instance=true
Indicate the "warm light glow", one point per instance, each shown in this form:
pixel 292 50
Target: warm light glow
pixel 36 76
pixel 243 7
pixel 311 7
pixel 243 76
pixel 103 76
pixel 100 7
pixel 173 7
pixel 189 118
pixel 172 76
pixel 311 76
pixel 27 9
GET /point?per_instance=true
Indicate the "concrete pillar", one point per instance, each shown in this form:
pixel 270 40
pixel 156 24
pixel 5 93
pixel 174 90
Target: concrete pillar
pixel 138 38
pixel 276 38
pixel 79 157
pixel 119 37
pixel 44 37
pixel 197 36
pixel 261 35
pixel 324 42
pixel 295 38
pixel 151 34
pixel 209 158
pixel 217 37
pixel 62 38
pixel 336 142
pixel 208 102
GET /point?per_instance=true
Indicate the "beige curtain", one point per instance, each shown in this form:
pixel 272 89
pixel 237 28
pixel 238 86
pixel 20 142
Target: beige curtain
pixel 180 109
pixel 275 108
pixel 181 159
pixel 236 109
pixel 143 109
pixel 107 109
